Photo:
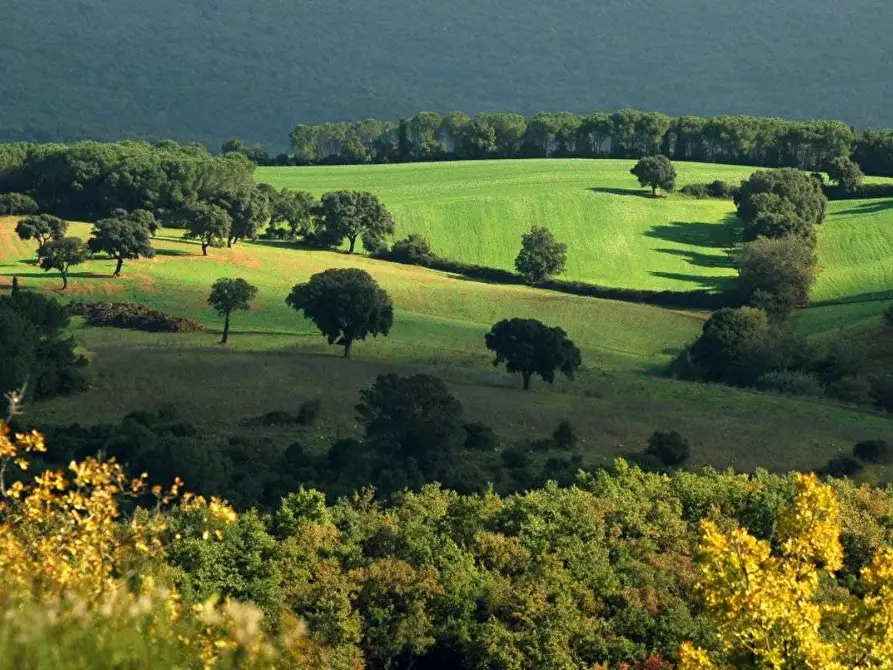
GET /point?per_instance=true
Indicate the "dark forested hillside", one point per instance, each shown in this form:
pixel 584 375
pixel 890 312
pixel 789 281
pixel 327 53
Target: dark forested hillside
pixel 192 69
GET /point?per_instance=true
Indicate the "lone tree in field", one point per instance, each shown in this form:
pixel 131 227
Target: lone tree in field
pixel 530 347
pixel 210 224
pixel 229 295
pixel 355 214
pixel 41 227
pixel 847 173
pixel 61 255
pixel 121 238
pixel 541 255
pixel 734 346
pixel 656 172
pixel 346 305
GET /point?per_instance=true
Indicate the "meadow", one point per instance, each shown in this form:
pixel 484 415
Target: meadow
pixel 618 235
pixel 276 359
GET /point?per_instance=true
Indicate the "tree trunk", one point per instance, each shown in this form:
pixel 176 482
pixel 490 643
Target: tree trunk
pixel 204 248
pixel 229 243
pixel 348 344
pixel 353 243
pixel 654 191
pixel 119 266
pixel 225 329
pixel 526 376
pixel 64 279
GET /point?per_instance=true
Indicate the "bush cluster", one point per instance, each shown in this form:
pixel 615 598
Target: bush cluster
pixel 17 203
pixel 716 189
pixel 131 315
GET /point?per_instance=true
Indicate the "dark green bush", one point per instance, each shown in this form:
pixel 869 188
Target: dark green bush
pixel 671 449
pixel 413 250
pixel 480 437
pixel 792 382
pixel 874 451
pixel 888 316
pixel 564 435
pixel 12 204
pixel 308 411
pixel 881 391
pixel 842 466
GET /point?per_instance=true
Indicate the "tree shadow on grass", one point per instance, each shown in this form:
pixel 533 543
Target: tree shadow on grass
pixel 868 207
pixel 699 259
pixel 174 252
pixel 71 275
pixel 638 193
pixel 721 235
pixel 876 296
pixel 718 284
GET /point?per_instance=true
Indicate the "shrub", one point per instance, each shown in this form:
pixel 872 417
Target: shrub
pixel 776 275
pixel 874 451
pixel 130 315
pixel 308 411
pixel 734 346
pixel 565 436
pixel 480 437
pixel 792 382
pixel 850 389
pixel 880 389
pixel 671 449
pixel 412 250
pixel 715 189
pixel 888 316
pixel 543 444
pixel 17 203
pixel 842 466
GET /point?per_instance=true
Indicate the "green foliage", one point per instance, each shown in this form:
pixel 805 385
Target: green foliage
pixel 843 466
pixel 61 254
pixel 122 238
pixel 529 347
pixel 733 346
pixel 888 316
pixel 671 449
pixel 41 227
pixel 208 223
pixel 309 411
pixel 761 213
pixel 793 382
pixel 874 451
pixel 296 209
pixel 229 295
pixel 657 172
pixel 354 215
pixel 565 435
pixel 776 275
pixel 346 305
pixel 541 255
pixel 17 203
pixel 33 348
pixel 248 208
pixel 414 249
pixel 715 189
pixel 131 315
pixel 847 173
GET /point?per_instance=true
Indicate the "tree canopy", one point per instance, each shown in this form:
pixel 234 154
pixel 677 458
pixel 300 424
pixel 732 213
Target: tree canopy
pixel 228 295
pixel 655 171
pixel 794 186
pixel 61 255
pixel 122 238
pixel 346 305
pixel 776 275
pixel 41 227
pixel 541 255
pixel 529 347
pixel 733 346
pixel 352 215
pixel 210 224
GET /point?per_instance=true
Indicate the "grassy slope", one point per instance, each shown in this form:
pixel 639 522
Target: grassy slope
pixel 276 360
pixel 617 233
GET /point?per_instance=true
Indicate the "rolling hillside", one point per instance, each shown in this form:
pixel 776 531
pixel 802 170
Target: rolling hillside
pixel 253 68
pixel 276 359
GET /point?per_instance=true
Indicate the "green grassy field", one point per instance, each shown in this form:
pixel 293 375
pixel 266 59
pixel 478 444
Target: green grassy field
pixel 276 359
pixel 618 235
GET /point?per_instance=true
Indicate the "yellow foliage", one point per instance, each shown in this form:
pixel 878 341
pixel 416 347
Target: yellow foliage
pixel 70 561
pixel 765 604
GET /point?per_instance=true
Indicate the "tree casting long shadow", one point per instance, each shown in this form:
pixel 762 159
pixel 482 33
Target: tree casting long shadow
pixel 722 235
pixel 635 192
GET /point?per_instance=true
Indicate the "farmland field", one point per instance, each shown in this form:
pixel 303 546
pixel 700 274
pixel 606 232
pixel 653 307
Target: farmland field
pixel 617 233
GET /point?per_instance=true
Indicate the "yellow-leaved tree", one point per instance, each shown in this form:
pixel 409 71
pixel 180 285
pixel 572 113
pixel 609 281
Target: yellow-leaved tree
pixel 81 583
pixel 766 602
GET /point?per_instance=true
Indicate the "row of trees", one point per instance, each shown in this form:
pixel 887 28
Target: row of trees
pixel 627 133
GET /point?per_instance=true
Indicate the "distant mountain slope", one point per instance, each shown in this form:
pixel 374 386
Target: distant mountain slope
pixel 193 69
